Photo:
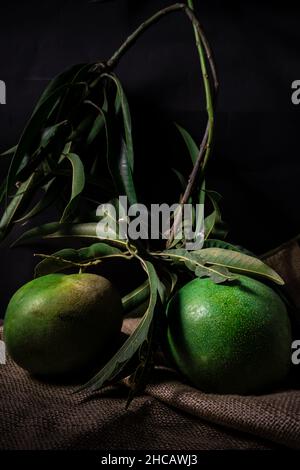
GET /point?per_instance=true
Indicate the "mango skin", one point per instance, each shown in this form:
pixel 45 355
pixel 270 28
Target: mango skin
pixel 229 338
pixel 59 324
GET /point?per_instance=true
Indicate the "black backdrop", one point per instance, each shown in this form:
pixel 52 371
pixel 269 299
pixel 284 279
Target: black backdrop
pixel 255 163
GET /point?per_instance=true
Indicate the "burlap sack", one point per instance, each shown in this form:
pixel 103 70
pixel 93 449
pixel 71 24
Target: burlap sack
pixel 170 415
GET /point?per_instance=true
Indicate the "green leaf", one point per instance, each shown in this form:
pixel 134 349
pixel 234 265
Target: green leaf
pixel 75 95
pixel 195 262
pixel 137 297
pixel 51 193
pixel 240 263
pixel 182 180
pixel 98 125
pixel 200 221
pixel 134 342
pixel 78 182
pixel 52 142
pixel 213 224
pixel 83 127
pixel 61 80
pixel 119 150
pixel 190 143
pixel 126 179
pixel 67 230
pixel 19 199
pixel 51 133
pixel 8 152
pixel 3 189
pixel 31 133
pixel 126 118
pixel 218 274
pixel 67 257
pixel 120 156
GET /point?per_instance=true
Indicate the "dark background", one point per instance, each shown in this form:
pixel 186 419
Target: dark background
pixel 255 163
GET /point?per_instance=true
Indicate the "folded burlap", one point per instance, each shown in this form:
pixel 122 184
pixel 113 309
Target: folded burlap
pixel 170 415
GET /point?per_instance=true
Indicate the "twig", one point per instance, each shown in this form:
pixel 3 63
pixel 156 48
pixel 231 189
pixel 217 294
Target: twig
pixel 203 51
pixel 92 262
pixel 177 7
pixel 205 147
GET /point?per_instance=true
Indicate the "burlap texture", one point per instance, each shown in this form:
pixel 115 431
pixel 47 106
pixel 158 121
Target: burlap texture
pixel 170 415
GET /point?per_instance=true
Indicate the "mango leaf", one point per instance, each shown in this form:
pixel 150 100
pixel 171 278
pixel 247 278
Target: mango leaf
pixel 68 230
pixel 51 132
pixel 126 118
pixel 240 263
pixel 218 274
pixel 31 133
pixel 182 180
pixel 119 150
pixel 118 164
pixel 3 188
pixel 194 153
pixel 52 141
pixel 78 182
pixel 8 152
pixel 137 297
pixel 213 223
pixel 190 143
pixel 20 198
pixel 98 125
pixel 83 127
pixel 69 257
pixel 134 342
pixel 200 221
pixel 195 262
pixel 64 78
pixel 51 193
pixel 74 96
pixel 169 280
pixel 126 179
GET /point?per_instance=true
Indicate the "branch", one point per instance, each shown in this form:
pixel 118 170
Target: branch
pixel 204 52
pixel 177 7
pixel 205 147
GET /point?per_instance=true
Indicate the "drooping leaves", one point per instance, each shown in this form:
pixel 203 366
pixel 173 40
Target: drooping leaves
pixel 137 297
pixel 239 262
pixel 126 178
pixel 120 147
pixel 213 223
pixel 68 230
pixel 190 143
pixel 181 178
pixel 9 151
pixel 219 263
pixel 134 342
pixel 69 257
pixel 78 182
pixel 126 118
pixel 21 198
pixel 31 133
pixel 195 263
pixel 63 79
pixel 51 193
